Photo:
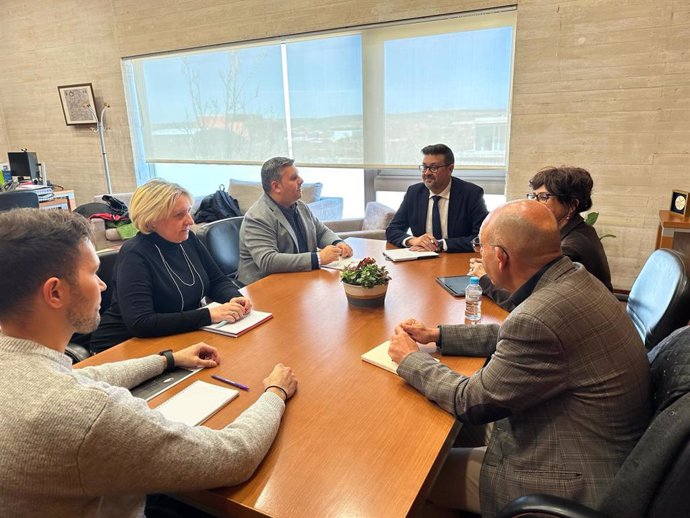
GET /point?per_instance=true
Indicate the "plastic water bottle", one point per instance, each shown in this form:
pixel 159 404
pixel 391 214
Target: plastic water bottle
pixel 473 301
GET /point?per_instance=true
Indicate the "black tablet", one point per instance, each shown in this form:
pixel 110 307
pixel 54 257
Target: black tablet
pixel 455 285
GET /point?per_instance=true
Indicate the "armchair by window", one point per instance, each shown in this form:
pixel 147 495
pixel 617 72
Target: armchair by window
pixel 246 193
pixel 373 225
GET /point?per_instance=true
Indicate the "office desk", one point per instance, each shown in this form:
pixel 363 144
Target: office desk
pixel 355 440
pixel 61 200
pixel 673 232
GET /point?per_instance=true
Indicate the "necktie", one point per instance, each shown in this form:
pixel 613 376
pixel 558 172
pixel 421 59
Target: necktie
pixel 436 219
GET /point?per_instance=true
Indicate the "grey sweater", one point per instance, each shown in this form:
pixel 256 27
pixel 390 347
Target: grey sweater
pixel 75 443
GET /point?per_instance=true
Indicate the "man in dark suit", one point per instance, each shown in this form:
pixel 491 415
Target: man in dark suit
pixel 443 213
pixel 567 385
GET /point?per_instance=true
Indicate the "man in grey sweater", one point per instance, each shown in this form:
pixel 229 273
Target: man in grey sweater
pixel 75 442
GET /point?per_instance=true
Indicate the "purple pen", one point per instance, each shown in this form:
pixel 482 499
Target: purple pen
pixel 229 382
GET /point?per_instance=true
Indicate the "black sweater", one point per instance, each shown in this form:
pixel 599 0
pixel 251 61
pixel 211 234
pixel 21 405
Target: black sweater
pixel 152 299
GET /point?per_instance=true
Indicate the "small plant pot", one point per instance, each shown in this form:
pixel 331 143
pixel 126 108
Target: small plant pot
pixel 365 297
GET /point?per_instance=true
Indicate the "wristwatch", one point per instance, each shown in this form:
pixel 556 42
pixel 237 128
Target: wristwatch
pixel 169 358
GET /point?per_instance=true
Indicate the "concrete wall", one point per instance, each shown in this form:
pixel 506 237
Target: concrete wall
pixel 600 84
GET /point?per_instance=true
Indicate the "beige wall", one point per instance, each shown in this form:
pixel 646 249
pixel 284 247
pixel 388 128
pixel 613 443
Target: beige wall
pixel 604 85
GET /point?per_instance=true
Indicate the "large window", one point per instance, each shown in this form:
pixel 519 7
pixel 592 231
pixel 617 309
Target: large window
pixel 366 100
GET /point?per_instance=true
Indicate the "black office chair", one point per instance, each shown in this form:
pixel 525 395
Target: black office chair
pixel 78 347
pixel 659 301
pixel 222 239
pixel 18 200
pixel 653 481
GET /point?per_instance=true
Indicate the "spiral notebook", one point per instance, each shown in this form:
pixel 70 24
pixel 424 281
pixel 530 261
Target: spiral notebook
pixel 196 403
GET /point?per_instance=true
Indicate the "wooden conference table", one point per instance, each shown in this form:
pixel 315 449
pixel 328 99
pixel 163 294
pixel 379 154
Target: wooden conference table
pixel 355 440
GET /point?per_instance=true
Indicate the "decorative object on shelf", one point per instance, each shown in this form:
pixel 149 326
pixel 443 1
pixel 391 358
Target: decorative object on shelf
pixel 679 202
pixel 77 102
pixel 365 283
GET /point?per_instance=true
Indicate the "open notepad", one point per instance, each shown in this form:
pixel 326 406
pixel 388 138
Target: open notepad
pixel 235 329
pixel 196 403
pixel 405 254
pixel 379 356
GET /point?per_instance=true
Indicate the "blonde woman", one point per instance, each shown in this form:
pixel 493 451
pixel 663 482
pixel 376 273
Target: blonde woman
pixel 163 273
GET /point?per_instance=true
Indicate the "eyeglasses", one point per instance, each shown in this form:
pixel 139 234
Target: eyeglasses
pixel 478 245
pixel 432 168
pixel 540 196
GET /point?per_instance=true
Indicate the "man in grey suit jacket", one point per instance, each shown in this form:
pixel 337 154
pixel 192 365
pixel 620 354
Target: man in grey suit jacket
pixel 567 385
pixel 279 233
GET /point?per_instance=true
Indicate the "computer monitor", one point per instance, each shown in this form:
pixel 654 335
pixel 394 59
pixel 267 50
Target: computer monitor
pixel 24 164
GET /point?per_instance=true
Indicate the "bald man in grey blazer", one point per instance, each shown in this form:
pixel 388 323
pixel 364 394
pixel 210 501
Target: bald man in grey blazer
pixel 567 385
pixel 279 233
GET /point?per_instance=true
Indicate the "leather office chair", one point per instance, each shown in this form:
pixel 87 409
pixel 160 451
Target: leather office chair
pixel 659 301
pixel 222 239
pixel 78 348
pixel 18 200
pixel 653 480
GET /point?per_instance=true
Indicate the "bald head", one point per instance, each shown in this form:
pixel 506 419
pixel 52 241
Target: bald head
pixel 527 230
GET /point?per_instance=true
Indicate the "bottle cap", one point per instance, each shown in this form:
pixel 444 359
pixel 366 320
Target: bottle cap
pixel 474 280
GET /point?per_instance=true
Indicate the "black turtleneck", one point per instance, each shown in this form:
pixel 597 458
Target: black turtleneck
pixel 151 300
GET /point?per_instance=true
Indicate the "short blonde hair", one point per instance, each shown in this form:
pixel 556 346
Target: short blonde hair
pixel 153 201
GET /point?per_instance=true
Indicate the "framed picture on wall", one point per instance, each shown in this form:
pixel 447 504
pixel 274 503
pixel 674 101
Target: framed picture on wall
pixel 78 104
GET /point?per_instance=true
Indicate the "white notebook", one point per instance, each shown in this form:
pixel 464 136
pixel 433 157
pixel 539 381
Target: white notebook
pixel 341 263
pixel 379 356
pixel 405 254
pixel 196 403
pixel 235 329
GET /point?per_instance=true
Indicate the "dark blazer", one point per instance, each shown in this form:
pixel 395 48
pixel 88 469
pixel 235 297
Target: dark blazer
pixel 567 384
pixel 581 243
pixel 466 211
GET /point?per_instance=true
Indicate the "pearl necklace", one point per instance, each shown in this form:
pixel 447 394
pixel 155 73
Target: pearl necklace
pixel 173 274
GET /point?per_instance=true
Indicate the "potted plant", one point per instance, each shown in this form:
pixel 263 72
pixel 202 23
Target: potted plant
pixel 365 283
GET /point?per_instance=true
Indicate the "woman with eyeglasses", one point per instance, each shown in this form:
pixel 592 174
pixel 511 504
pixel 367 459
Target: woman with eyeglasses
pixel 566 191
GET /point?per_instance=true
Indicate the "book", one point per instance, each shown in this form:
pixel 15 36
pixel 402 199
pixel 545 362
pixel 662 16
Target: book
pixel 405 254
pixel 379 356
pixel 159 384
pixel 196 403
pixel 455 285
pixel 341 263
pixel 235 329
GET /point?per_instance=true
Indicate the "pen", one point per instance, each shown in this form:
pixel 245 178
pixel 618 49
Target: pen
pixel 229 382
pixel 220 324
